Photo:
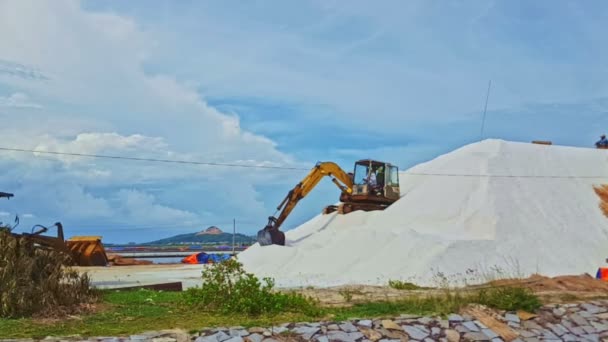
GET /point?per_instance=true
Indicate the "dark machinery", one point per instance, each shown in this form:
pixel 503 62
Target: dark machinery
pixel 83 250
pixel 374 185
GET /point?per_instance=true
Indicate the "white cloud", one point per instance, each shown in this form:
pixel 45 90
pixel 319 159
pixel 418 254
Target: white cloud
pixel 81 190
pixel 104 79
pixel 388 67
pixel 98 99
pixel 139 207
pixel 94 143
pixel 18 100
pixel 13 69
pixel 402 156
pixel 106 83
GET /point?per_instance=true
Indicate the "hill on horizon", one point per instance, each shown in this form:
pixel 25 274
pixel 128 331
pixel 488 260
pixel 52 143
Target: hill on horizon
pixel 210 235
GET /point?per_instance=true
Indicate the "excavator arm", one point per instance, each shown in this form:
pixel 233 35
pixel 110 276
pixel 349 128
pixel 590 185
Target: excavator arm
pixel 271 233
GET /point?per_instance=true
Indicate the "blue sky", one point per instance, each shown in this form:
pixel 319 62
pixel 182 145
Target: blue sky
pixel 273 83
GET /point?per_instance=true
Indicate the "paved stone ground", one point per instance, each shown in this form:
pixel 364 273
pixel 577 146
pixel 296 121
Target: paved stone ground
pixel 565 322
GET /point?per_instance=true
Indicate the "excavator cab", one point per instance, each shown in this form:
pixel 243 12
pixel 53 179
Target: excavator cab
pixel 375 181
pixel 374 185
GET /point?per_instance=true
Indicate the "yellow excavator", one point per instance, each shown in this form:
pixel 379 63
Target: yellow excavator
pixel 374 185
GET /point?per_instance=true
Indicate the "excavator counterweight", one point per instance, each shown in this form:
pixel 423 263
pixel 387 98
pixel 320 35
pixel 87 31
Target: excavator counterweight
pixel 373 185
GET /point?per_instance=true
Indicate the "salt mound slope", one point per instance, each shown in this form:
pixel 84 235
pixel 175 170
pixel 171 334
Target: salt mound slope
pixel 449 224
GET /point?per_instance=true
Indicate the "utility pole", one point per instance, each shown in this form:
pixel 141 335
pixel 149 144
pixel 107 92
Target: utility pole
pixel 233 236
pixel 483 120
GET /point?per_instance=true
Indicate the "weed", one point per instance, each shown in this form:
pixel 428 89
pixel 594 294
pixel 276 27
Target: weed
pixel 35 282
pixel 450 301
pixel 403 285
pixel 568 297
pixel 228 289
pixel 346 294
pixel 508 298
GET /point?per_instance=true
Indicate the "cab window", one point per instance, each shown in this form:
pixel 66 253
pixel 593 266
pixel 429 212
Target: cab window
pixel 394 176
pixel 360 174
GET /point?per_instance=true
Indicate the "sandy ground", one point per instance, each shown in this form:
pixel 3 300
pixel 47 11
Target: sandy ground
pixel 553 289
pixel 125 276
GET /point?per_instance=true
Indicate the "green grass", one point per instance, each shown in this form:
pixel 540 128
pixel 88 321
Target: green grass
pixel 508 298
pixel 137 311
pixel 229 289
pixel 132 312
pixel 233 297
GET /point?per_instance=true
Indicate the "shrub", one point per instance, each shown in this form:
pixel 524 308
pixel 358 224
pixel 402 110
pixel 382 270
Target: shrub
pixel 509 298
pixel 34 280
pixel 451 301
pixel 228 289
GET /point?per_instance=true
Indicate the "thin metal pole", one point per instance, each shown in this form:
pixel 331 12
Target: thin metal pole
pixel 233 235
pixel 483 121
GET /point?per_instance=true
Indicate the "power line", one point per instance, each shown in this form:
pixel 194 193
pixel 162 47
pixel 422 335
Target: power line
pixel 285 167
pixel 155 160
pixel 502 176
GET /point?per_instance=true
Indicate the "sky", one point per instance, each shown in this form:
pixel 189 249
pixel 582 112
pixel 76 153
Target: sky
pixel 271 83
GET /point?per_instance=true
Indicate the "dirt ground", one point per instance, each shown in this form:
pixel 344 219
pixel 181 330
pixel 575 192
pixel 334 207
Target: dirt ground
pixel 137 275
pixel 539 283
pixel 556 289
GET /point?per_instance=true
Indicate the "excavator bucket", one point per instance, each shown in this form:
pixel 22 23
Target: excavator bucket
pixel 270 235
pixel 87 250
pixel 264 237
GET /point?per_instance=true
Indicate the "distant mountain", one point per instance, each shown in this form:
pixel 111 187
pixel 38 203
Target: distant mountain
pixel 213 230
pixel 209 235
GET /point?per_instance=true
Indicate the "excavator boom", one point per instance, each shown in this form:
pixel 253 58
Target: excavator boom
pixel 271 233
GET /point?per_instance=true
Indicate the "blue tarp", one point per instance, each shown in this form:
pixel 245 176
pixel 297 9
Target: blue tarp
pixel 204 258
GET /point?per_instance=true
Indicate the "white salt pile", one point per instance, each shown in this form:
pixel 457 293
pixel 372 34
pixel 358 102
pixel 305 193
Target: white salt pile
pixel 537 212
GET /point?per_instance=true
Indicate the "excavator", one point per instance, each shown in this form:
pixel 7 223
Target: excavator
pixel 83 250
pixel 373 185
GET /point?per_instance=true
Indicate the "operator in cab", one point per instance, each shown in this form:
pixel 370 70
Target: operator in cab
pixel 603 142
pixel 371 179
